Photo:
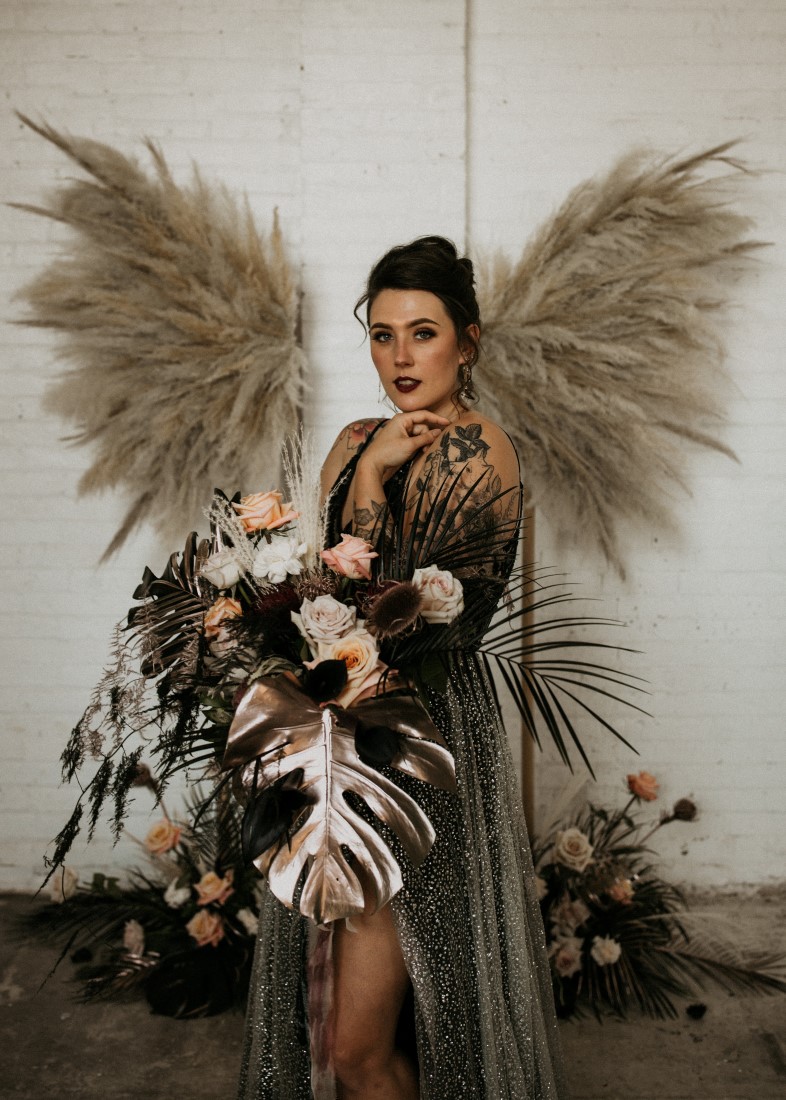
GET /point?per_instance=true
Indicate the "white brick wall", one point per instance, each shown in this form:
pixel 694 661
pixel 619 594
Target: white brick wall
pixel 351 117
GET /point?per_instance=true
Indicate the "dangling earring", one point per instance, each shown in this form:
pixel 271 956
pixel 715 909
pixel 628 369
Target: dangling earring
pixel 467 392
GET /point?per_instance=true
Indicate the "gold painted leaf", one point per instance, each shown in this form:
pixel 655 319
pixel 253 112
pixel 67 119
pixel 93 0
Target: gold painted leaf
pixel 279 733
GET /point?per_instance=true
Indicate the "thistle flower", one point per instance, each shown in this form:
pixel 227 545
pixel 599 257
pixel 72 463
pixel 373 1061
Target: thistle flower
pixel 395 610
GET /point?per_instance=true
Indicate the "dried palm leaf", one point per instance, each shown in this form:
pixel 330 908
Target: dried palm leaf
pixel 602 346
pixel 179 321
pixel 333 860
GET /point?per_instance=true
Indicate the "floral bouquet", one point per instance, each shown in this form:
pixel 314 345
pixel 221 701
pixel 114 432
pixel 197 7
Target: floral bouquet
pixel 618 936
pixel 301 676
pixel 183 930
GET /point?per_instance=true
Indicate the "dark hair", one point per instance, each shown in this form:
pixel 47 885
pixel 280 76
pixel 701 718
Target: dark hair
pixel 432 264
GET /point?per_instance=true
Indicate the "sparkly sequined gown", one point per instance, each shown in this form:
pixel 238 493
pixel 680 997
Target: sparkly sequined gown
pixel 468 921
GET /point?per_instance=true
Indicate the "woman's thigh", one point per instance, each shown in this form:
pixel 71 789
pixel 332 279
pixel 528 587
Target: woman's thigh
pixel 370 984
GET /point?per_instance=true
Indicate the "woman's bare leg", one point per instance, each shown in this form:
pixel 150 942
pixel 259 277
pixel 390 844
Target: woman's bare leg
pixel 371 983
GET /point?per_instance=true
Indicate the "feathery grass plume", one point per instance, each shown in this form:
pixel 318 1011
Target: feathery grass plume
pixel 602 349
pixel 302 469
pixel 178 320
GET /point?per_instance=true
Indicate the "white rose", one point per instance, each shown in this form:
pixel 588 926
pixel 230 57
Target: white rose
pixel 175 895
pixel 443 596
pixel 541 887
pixel 573 849
pixel 566 955
pixel 324 619
pixel 64 883
pixel 249 920
pixel 279 558
pixel 222 569
pixel 605 950
pixel 134 938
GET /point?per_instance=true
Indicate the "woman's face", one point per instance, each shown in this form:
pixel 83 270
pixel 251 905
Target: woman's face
pixel 415 350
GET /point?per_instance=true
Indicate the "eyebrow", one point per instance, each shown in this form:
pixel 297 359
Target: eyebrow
pixel 410 324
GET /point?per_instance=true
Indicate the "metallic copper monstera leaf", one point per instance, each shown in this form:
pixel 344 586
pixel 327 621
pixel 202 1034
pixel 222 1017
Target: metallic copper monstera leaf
pixel 278 731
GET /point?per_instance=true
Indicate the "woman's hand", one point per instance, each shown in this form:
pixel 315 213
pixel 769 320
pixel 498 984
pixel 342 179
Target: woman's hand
pixel 396 441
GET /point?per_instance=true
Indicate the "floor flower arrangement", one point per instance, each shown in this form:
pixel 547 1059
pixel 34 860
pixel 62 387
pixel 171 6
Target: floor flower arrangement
pixel 619 937
pixel 182 930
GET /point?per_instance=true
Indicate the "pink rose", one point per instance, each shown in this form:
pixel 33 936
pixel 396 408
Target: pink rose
pixel 224 608
pixel 264 512
pixel 163 837
pixel 206 928
pixel 211 888
pixel 350 558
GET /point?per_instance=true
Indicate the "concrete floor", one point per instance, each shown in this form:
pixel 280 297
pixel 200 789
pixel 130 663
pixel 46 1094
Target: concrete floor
pixel 54 1047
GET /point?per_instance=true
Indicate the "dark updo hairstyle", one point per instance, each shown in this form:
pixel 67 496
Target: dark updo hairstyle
pixel 432 264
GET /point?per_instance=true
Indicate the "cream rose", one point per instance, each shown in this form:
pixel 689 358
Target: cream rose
pixel 324 619
pixel 643 786
pixel 358 651
pixel 573 849
pixel 264 512
pixel 175 896
pixel 566 955
pixel 163 837
pixel 541 887
pixel 211 888
pixel 221 569
pixel 350 558
pixel 569 914
pixel 64 884
pixel 217 614
pixel 134 938
pixel 206 928
pixel 605 950
pixel 443 596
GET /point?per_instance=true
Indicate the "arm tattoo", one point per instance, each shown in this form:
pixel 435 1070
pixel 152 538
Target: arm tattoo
pixel 366 521
pixel 463 454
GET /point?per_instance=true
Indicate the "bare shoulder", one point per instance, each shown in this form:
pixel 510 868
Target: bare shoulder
pixel 475 438
pixel 347 443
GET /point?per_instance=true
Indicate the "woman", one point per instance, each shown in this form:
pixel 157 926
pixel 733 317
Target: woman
pixel 463 939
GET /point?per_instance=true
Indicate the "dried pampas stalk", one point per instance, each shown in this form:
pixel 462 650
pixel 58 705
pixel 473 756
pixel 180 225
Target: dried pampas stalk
pixel 602 352
pixel 179 320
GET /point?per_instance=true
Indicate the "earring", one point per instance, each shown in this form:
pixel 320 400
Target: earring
pixel 467 392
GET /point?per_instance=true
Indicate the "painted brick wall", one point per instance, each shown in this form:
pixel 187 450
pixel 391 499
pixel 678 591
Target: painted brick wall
pixel 559 90
pixel 351 118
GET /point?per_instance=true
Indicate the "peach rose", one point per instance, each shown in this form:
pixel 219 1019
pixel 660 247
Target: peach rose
pixel 573 849
pixel 134 938
pixel 643 786
pixel 211 888
pixel 264 512
pixel 163 837
pixel 224 608
pixel 206 928
pixel 566 955
pixel 443 596
pixel 358 651
pixel 350 558
pixel 621 891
